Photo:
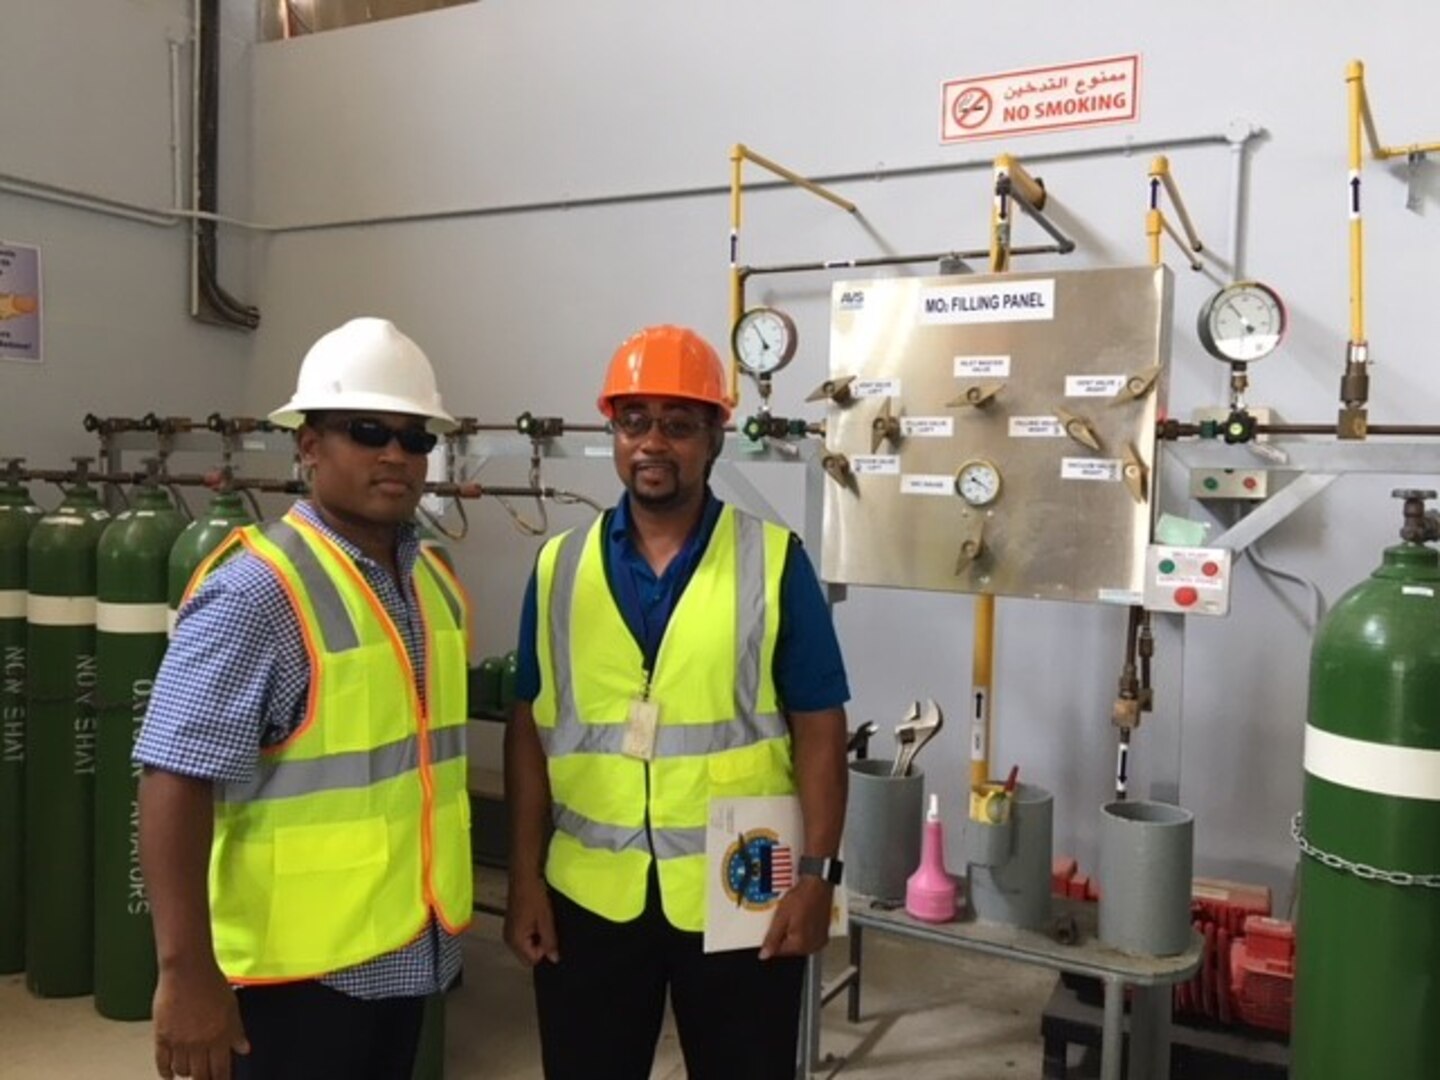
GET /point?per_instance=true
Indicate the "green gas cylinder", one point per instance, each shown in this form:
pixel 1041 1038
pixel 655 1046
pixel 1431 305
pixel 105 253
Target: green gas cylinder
pixel 131 626
pixel 61 746
pixel 18 515
pixel 227 511
pixel 1367 981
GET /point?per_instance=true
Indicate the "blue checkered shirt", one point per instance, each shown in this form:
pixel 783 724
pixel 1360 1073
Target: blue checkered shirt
pixel 235 678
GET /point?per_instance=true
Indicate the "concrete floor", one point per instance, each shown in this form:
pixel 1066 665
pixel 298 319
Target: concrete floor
pixel 928 1014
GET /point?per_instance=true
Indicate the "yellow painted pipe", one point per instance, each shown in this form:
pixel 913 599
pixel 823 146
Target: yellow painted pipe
pixel 737 286
pixel 1025 184
pixel 981 677
pixel 1153 222
pixel 1355 81
pixel 795 178
pixel 1160 170
pixel 999 238
pixel 739 154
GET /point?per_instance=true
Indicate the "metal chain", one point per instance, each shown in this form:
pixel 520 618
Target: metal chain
pixel 1360 870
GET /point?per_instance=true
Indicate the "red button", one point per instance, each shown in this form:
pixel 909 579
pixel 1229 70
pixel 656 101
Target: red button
pixel 1250 483
pixel 1209 569
pixel 1186 595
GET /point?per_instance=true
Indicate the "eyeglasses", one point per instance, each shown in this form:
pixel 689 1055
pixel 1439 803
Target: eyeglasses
pixel 675 426
pixel 373 434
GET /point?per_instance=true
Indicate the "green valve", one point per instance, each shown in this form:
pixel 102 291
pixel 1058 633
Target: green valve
pixel 1167 566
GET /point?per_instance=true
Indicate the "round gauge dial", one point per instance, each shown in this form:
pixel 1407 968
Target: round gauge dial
pixel 764 340
pixel 978 482
pixel 1242 323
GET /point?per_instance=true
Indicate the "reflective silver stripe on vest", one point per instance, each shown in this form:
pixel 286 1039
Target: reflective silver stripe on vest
pixel 335 622
pixel 674 739
pixel 562 596
pixel 457 611
pixel 669 843
pixel 749 611
pixel 335 772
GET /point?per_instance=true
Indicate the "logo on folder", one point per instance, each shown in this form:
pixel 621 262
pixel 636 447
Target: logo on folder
pixel 757 870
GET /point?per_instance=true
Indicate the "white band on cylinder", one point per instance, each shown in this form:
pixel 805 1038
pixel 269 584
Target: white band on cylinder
pixel 60 610
pixel 131 618
pixel 1404 771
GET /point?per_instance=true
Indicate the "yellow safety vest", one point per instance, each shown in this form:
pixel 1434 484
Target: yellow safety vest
pixel 355 830
pixel 721 731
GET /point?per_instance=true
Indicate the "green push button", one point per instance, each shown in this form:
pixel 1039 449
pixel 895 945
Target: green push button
pixel 1167 566
pixel 1211 483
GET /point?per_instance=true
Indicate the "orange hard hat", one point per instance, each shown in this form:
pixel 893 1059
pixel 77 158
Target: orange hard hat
pixel 666 361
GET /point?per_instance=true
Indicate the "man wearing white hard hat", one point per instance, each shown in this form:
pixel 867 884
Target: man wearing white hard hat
pixel 303 807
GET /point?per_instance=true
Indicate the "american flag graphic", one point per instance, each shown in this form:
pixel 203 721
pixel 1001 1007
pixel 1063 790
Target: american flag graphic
pixel 782 868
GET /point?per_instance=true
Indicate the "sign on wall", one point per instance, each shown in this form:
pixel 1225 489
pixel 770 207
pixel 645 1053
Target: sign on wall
pixel 1084 94
pixel 19 302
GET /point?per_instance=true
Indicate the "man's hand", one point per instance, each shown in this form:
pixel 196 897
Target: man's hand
pixel 530 922
pixel 802 920
pixel 197 1025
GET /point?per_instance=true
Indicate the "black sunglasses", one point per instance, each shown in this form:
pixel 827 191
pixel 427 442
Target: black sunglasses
pixel 676 426
pixel 373 434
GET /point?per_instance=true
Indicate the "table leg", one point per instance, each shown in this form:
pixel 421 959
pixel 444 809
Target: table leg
pixel 810 1017
pixel 1150 1032
pixel 1112 1036
pixel 852 995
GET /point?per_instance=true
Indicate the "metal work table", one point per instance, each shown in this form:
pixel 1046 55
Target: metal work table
pixel 1150 976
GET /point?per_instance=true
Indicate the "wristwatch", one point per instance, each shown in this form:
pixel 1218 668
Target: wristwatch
pixel 826 868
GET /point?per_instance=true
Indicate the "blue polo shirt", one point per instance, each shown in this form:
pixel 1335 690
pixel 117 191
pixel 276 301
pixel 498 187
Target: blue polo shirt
pixel 808 670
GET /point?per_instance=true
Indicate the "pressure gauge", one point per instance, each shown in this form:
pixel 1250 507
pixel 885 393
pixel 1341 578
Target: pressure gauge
pixel 764 340
pixel 978 482
pixel 1242 323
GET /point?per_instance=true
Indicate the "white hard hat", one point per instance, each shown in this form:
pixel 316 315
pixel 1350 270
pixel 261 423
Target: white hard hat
pixel 366 365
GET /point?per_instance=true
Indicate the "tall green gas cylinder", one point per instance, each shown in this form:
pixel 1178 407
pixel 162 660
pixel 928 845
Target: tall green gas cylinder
pixel 1367 985
pixel 132 624
pixel 18 515
pixel 226 512
pixel 61 746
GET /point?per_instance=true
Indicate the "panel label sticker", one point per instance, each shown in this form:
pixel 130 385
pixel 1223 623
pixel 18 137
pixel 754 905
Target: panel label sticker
pixel 982 367
pixel 927 427
pixel 1083 468
pixel 988 302
pixel 927 484
pixel 875 388
pixel 1036 427
pixel 1093 385
pixel 875 465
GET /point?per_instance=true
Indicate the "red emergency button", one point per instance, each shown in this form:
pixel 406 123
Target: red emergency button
pixel 1250 483
pixel 1186 595
pixel 1209 569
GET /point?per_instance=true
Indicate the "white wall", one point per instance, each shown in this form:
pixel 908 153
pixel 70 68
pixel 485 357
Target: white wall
pixel 474 113
pixel 87 96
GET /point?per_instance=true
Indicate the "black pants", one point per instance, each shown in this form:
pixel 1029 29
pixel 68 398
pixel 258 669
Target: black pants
pixel 602 1005
pixel 305 1031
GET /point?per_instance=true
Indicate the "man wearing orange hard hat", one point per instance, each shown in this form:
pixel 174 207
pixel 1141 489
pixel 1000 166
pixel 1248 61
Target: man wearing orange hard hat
pixel 678 649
